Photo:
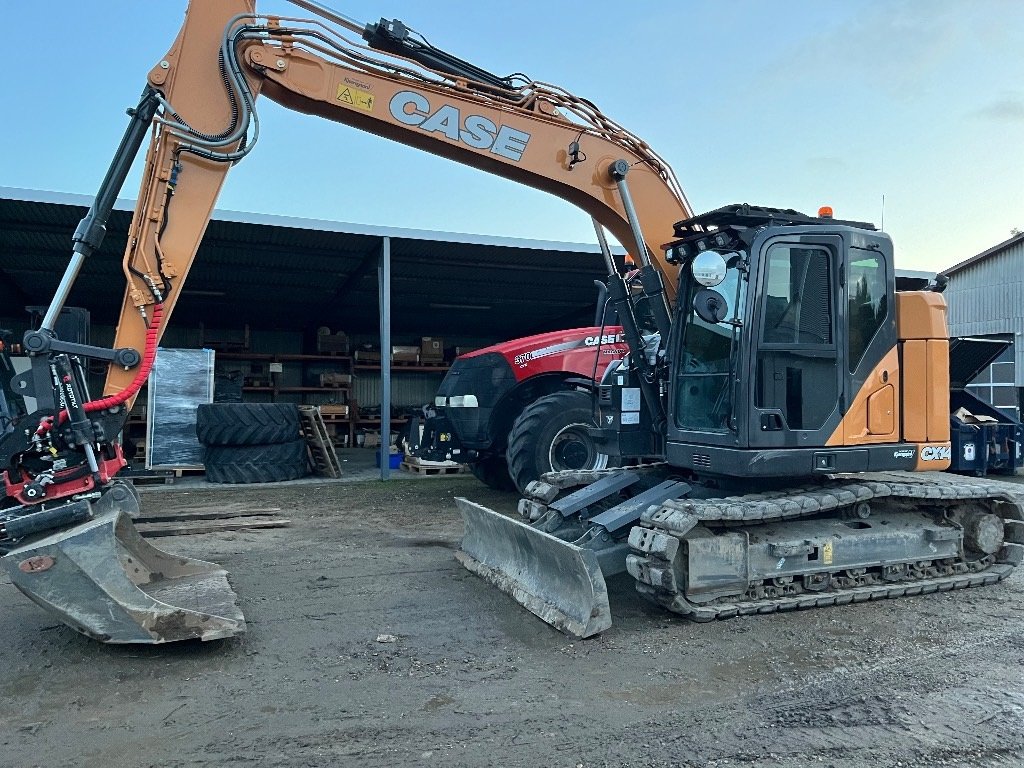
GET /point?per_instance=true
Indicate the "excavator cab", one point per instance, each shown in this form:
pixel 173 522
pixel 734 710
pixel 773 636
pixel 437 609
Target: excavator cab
pixel 784 355
pixel 774 346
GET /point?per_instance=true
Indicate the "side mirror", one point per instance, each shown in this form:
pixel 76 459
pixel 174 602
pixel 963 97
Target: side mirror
pixel 709 268
pixel 710 306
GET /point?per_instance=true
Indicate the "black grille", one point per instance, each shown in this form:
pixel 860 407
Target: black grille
pixel 701 461
pixel 489 377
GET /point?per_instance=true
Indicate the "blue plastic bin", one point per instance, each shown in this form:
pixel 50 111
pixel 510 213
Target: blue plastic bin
pixel 394 459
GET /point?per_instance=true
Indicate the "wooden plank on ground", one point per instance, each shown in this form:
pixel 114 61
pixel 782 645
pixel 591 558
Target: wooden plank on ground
pixel 152 530
pixel 202 514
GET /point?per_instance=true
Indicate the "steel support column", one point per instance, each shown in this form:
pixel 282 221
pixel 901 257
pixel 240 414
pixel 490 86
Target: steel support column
pixel 384 303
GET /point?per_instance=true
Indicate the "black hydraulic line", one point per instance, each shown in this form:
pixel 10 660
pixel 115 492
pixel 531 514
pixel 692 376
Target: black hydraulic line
pixel 89 234
pixel 619 298
pixel 393 37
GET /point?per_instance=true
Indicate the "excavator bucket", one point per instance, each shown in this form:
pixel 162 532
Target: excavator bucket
pixel 104 580
pixel 553 579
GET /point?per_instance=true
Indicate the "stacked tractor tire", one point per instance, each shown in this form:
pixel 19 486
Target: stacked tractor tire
pixel 251 442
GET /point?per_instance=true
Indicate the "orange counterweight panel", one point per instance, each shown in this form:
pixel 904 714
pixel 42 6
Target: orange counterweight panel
pixel 915 379
pixel 937 390
pixel 924 341
pixel 920 315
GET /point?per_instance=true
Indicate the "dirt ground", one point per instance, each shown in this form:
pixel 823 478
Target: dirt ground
pixel 471 679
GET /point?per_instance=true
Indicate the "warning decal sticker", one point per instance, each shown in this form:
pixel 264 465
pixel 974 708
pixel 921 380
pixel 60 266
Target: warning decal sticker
pixel 355 97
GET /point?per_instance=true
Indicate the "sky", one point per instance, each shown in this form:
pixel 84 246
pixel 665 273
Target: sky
pixel 781 103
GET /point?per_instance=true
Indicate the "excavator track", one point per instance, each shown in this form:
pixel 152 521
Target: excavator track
pixel 660 541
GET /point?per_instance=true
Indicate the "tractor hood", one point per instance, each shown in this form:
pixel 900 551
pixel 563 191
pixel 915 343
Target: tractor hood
pixel 573 351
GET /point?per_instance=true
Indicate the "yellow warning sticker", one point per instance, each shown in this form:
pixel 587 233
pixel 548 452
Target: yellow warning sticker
pixel 826 553
pixel 355 97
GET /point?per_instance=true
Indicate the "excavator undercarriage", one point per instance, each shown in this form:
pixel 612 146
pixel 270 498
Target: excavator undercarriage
pixel 705 555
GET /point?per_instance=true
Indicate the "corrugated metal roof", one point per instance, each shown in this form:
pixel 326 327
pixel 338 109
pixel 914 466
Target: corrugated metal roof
pixel 1016 239
pixel 295 274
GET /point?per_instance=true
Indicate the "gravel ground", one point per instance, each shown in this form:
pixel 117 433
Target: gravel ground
pixel 368 645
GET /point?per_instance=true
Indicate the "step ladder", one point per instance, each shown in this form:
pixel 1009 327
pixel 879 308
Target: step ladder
pixel 321 449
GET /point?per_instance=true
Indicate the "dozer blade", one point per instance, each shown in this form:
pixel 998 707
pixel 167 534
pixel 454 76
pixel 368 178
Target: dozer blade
pixel 104 580
pixel 553 579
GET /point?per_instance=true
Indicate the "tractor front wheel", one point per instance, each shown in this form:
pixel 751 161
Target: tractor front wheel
pixel 550 435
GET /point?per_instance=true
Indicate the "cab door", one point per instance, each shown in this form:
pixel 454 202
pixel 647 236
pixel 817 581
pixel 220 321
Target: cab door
pixel 796 397
pixel 872 362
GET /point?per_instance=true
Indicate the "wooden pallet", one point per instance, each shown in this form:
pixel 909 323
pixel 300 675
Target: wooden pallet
pixel 433 468
pixel 158 476
pixel 321 446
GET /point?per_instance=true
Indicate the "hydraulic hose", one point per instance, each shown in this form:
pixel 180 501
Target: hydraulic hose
pixel 148 358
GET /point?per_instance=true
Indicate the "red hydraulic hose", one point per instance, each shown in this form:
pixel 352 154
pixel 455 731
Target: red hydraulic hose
pixel 148 357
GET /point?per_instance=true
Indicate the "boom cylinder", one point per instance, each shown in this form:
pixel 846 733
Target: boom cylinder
pixel 93 228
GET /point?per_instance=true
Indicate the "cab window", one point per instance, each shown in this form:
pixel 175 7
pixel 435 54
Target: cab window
pixel 868 306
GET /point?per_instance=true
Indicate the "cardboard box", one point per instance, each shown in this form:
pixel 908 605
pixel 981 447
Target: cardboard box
pixel 399 354
pixel 334 379
pixel 371 440
pixel 367 355
pixel 333 409
pixel 431 349
pixel 336 343
pixel 972 418
pixel 405 354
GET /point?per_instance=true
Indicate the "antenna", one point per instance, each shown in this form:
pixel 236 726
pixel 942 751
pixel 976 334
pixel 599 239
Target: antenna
pixel 883 213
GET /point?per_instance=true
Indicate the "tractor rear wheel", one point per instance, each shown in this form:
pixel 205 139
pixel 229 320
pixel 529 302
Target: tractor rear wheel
pixel 550 435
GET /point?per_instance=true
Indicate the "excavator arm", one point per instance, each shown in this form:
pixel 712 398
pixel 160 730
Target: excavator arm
pixel 65 527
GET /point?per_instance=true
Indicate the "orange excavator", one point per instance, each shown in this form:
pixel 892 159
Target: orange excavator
pixel 778 418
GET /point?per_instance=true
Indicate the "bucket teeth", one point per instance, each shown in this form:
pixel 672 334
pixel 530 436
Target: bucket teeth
pixel 104 580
